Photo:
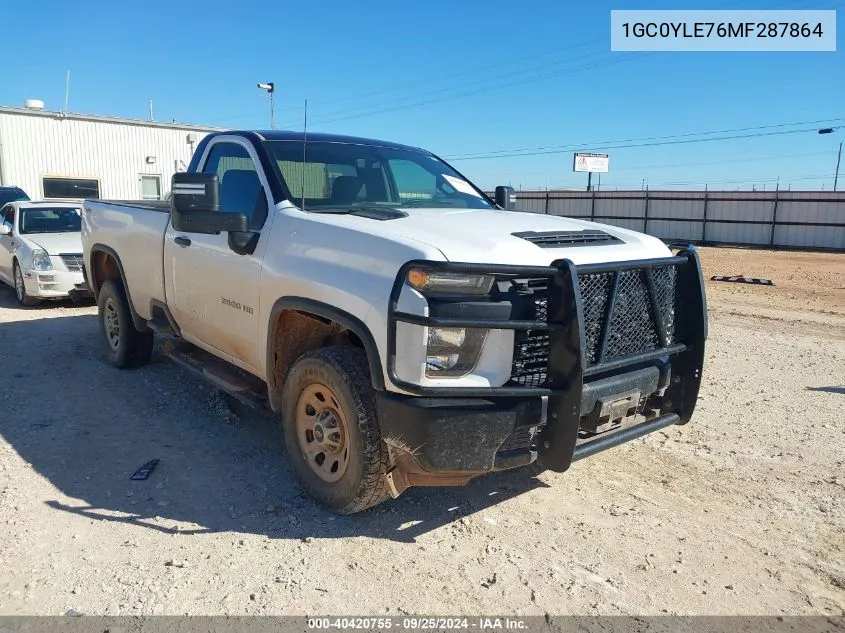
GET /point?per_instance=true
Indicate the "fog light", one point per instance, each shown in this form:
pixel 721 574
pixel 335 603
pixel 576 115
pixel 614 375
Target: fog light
pixel 453 352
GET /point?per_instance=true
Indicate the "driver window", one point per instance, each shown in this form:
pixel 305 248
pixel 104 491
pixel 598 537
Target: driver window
pixel 413 180
pixel 240 186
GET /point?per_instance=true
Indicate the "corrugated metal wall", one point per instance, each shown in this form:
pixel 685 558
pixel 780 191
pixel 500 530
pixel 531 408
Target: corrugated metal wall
pixel 799 219
pixel 41 144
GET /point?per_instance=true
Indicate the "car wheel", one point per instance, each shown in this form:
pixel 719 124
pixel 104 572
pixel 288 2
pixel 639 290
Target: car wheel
pixel 331 430
pixel 20 289
pixel 123 344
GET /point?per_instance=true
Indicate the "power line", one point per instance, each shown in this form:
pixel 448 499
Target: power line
pixel 463 73
pixel 510 152
pixel 608 62
pixel 464 85
pixel 635 145
pixel 430 80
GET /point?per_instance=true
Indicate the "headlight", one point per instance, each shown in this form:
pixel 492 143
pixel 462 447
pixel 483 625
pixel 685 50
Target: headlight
pixel 450 283
pixel 41 260
pixel 453 352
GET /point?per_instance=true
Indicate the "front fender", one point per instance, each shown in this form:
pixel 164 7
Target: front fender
pixel 326 312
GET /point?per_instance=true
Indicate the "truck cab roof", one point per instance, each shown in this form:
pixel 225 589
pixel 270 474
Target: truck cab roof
pixel 288 135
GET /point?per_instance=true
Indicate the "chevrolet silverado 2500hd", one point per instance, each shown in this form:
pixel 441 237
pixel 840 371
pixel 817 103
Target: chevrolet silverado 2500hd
pixel 407 328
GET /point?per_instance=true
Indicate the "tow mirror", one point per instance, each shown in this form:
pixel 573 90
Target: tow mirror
pixel 195 205
pixel 4 229
pixel 506 198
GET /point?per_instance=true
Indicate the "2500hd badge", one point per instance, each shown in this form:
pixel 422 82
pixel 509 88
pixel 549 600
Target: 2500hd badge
pixel 236 305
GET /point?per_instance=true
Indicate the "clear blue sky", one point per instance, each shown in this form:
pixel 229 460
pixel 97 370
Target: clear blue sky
pixel 459 78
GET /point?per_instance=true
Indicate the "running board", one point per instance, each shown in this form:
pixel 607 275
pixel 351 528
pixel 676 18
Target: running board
pixel 225 376
pixel 161 325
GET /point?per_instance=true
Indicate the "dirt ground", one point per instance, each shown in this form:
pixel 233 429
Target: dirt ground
pixel 740 512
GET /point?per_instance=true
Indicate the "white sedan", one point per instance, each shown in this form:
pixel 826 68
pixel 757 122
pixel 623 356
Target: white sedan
pixel 41 249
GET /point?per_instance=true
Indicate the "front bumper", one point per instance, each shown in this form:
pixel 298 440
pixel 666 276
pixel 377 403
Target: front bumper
pixel 595 392
pixel 51 284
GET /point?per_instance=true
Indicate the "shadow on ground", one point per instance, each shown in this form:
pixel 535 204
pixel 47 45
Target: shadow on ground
pixel 86 427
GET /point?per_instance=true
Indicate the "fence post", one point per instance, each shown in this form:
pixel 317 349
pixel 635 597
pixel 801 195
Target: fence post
pixel 645 223
pixel 774 217
pixel 593 206
pixel 547 202
pixel 704 223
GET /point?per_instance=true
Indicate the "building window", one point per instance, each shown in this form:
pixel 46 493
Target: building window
pixel 150 187
pixel 74 188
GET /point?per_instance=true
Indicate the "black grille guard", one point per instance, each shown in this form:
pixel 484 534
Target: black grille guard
pixel 568 363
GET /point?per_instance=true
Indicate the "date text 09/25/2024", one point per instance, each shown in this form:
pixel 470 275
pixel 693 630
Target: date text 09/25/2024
pixel 419 623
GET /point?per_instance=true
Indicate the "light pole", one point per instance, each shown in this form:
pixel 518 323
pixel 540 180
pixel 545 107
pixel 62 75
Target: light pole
pixel 831 130
pixel 270 88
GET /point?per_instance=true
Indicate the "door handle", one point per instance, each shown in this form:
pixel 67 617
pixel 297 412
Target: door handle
pixel 182 241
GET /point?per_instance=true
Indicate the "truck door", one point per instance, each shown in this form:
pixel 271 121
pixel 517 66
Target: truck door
pixel 212 291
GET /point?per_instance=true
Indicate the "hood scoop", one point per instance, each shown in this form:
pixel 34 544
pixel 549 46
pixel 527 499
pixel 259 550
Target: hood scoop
pixel 565 239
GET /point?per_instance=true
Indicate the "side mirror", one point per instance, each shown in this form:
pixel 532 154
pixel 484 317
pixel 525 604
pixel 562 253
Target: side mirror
pixel 195 205
pixel 4 229
pixel 506 197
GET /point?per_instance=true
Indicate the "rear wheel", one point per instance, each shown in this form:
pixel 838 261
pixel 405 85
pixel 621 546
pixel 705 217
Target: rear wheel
pixel 331 430
pixel 123 344
pixel 20 289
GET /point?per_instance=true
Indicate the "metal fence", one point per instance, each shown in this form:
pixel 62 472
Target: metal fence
pixel 791 219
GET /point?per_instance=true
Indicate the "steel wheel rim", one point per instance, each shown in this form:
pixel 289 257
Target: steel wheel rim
pixel 323 432
pixel 111 321
pixel 19 287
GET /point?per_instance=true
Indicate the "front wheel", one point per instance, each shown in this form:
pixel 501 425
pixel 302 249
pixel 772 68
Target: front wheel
pixel 20 289
pixel 331 430
pixel 123 344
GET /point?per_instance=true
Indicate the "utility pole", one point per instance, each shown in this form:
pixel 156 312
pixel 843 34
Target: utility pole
pixel 270 88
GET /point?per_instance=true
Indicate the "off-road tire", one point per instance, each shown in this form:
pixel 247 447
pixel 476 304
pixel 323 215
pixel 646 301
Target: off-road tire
pixel 21 296
pixel 133 348
pixel 344 370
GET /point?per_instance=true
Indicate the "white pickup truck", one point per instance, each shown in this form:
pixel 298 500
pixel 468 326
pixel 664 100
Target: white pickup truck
pixel 408 329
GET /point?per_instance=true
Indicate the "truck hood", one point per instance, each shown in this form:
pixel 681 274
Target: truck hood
pixel 56 243
pixel 486 236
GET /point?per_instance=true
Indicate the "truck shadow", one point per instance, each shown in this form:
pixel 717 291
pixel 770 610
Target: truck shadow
pixel 86 427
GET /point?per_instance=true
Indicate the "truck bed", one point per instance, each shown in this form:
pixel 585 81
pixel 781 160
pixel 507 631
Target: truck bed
pixel 133 232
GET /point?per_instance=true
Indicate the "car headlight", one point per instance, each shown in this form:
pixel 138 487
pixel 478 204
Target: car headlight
pixel 453 352
pixel 41 260
pixel 450 283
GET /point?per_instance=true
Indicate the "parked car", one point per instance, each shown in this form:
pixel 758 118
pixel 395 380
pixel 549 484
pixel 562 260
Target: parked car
pixel 12 194
pixel 409 329
pixel 41 249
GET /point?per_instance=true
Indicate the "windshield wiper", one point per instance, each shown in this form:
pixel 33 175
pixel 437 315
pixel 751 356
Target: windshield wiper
pixel 354 207
pixel 372 211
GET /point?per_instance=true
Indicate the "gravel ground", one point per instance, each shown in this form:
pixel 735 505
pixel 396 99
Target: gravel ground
pixel 740 512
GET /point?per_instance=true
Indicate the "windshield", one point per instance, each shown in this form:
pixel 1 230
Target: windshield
pixel 50 220
pixel 11 195
pixel 339 176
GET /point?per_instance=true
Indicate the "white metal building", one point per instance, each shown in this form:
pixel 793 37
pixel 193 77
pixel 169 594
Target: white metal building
pixel 57 155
